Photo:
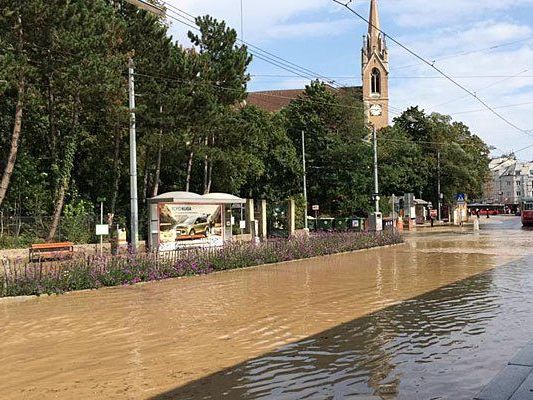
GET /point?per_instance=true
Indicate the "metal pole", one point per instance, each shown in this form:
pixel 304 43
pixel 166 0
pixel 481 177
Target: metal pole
pixel 306 226
pixel 101 223
pixel 133 161
pixel 438 186
pixel 242 21
pixel 376 181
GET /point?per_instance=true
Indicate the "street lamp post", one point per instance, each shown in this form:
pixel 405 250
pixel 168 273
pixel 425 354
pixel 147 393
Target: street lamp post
pixel 134 203
pixel 376 177
pixel 304 181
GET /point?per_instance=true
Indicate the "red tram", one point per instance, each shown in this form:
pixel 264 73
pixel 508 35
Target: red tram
pixel 527 211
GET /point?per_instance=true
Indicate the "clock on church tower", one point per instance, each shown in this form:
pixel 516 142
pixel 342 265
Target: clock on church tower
pixel 375 72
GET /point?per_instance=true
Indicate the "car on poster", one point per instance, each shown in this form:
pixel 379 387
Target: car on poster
pixel 190 225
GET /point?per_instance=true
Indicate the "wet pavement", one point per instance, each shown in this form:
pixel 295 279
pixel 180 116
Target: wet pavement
pixel 436 318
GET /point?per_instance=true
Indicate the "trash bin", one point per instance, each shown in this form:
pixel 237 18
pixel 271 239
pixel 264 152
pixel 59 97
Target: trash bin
pixel 311 224
pixel 325 224
pixel 340 224
pixel 357 224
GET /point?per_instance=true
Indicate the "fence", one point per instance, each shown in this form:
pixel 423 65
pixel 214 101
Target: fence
pixel 20 231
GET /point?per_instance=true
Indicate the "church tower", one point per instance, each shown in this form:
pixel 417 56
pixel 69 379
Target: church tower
pixel 375 71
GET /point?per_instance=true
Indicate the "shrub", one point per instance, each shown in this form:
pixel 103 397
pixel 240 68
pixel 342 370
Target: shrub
pixel 77 221
pixel 93 272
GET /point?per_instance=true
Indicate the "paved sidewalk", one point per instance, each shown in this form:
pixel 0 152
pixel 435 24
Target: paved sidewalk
pixel 515 381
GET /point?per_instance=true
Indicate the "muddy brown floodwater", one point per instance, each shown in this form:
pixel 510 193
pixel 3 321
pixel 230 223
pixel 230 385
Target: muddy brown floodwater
pixel 435 318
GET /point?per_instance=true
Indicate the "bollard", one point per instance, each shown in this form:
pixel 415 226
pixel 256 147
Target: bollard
pixel 291 218
pixel 249 214
pixel 399 224
pixel 263 227
pixel 476 225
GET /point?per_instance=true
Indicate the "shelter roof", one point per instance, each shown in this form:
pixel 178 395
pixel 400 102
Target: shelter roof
pixel 194 198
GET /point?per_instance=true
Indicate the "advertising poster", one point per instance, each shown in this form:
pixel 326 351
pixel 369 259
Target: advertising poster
pixel 190 225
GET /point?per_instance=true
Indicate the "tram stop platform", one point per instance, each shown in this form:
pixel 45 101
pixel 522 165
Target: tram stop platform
pixel 515 381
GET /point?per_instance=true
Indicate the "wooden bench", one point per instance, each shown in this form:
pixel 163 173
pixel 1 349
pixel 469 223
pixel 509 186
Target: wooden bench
pixel 48 251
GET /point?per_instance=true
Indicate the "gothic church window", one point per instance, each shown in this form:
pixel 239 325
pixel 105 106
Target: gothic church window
pixel 375 81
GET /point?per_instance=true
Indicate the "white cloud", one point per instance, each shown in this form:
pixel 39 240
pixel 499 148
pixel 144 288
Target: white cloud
pixel 511 69
pixel 261 18
pixel 433 28
pixel 435 13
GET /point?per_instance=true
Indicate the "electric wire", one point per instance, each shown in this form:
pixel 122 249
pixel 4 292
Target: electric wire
pixel 271 95
pixel 465 53
pixel 257 51
pixel 439 70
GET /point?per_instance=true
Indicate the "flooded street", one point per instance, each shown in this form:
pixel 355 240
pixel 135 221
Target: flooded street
pixel 435 318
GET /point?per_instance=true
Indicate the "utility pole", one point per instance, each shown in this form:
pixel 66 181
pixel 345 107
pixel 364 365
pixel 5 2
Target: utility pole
pixel 438 186
pixel 376 181
pixel 305 181
pixel 134 203
pixel 242 20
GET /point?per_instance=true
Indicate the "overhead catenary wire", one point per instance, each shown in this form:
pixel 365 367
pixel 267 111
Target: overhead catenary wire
pixel 256 51
pixel 499 107
pixel 404 77
pixel 465 53
pixel 304 69
pixel 439 70
pixel 271 95
pixel 287 68
pixel 331 79
pixel 481 89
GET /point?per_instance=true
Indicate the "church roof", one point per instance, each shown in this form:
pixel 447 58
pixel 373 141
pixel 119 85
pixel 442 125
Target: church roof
pixel 273 100
pixel 276 100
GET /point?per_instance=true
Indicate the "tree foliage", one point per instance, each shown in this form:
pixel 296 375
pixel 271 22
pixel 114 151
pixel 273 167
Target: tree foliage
pixel 63 76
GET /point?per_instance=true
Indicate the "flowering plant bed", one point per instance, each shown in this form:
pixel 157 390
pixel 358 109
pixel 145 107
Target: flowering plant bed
pixel 92 272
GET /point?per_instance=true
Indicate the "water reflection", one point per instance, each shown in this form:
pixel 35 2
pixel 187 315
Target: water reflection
pixel 377 354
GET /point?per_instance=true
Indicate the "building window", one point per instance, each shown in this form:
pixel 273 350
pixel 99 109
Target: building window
pixel 518 183
pixel 508 183
pixel 519 193
pixel 376 81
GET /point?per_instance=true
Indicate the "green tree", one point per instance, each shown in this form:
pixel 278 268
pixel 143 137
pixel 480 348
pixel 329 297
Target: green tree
pixel 464 156
pixel 403 167
pixel 339 162
pixel 223 75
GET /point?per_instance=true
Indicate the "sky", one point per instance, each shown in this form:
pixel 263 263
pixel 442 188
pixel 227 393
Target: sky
pixel 486 45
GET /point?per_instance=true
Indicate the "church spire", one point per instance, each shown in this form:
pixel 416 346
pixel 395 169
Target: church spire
pixel 374 17
pixel 375 72
pixel 374 34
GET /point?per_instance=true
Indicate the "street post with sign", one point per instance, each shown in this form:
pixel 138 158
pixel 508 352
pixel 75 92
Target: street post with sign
pixel 101 228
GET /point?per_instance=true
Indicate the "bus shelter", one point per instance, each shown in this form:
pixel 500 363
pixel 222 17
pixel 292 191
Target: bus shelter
pixel 181 220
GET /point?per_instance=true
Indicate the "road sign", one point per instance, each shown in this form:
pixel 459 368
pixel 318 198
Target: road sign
pixel 460 198
pixel 315 207
pixel 102 229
